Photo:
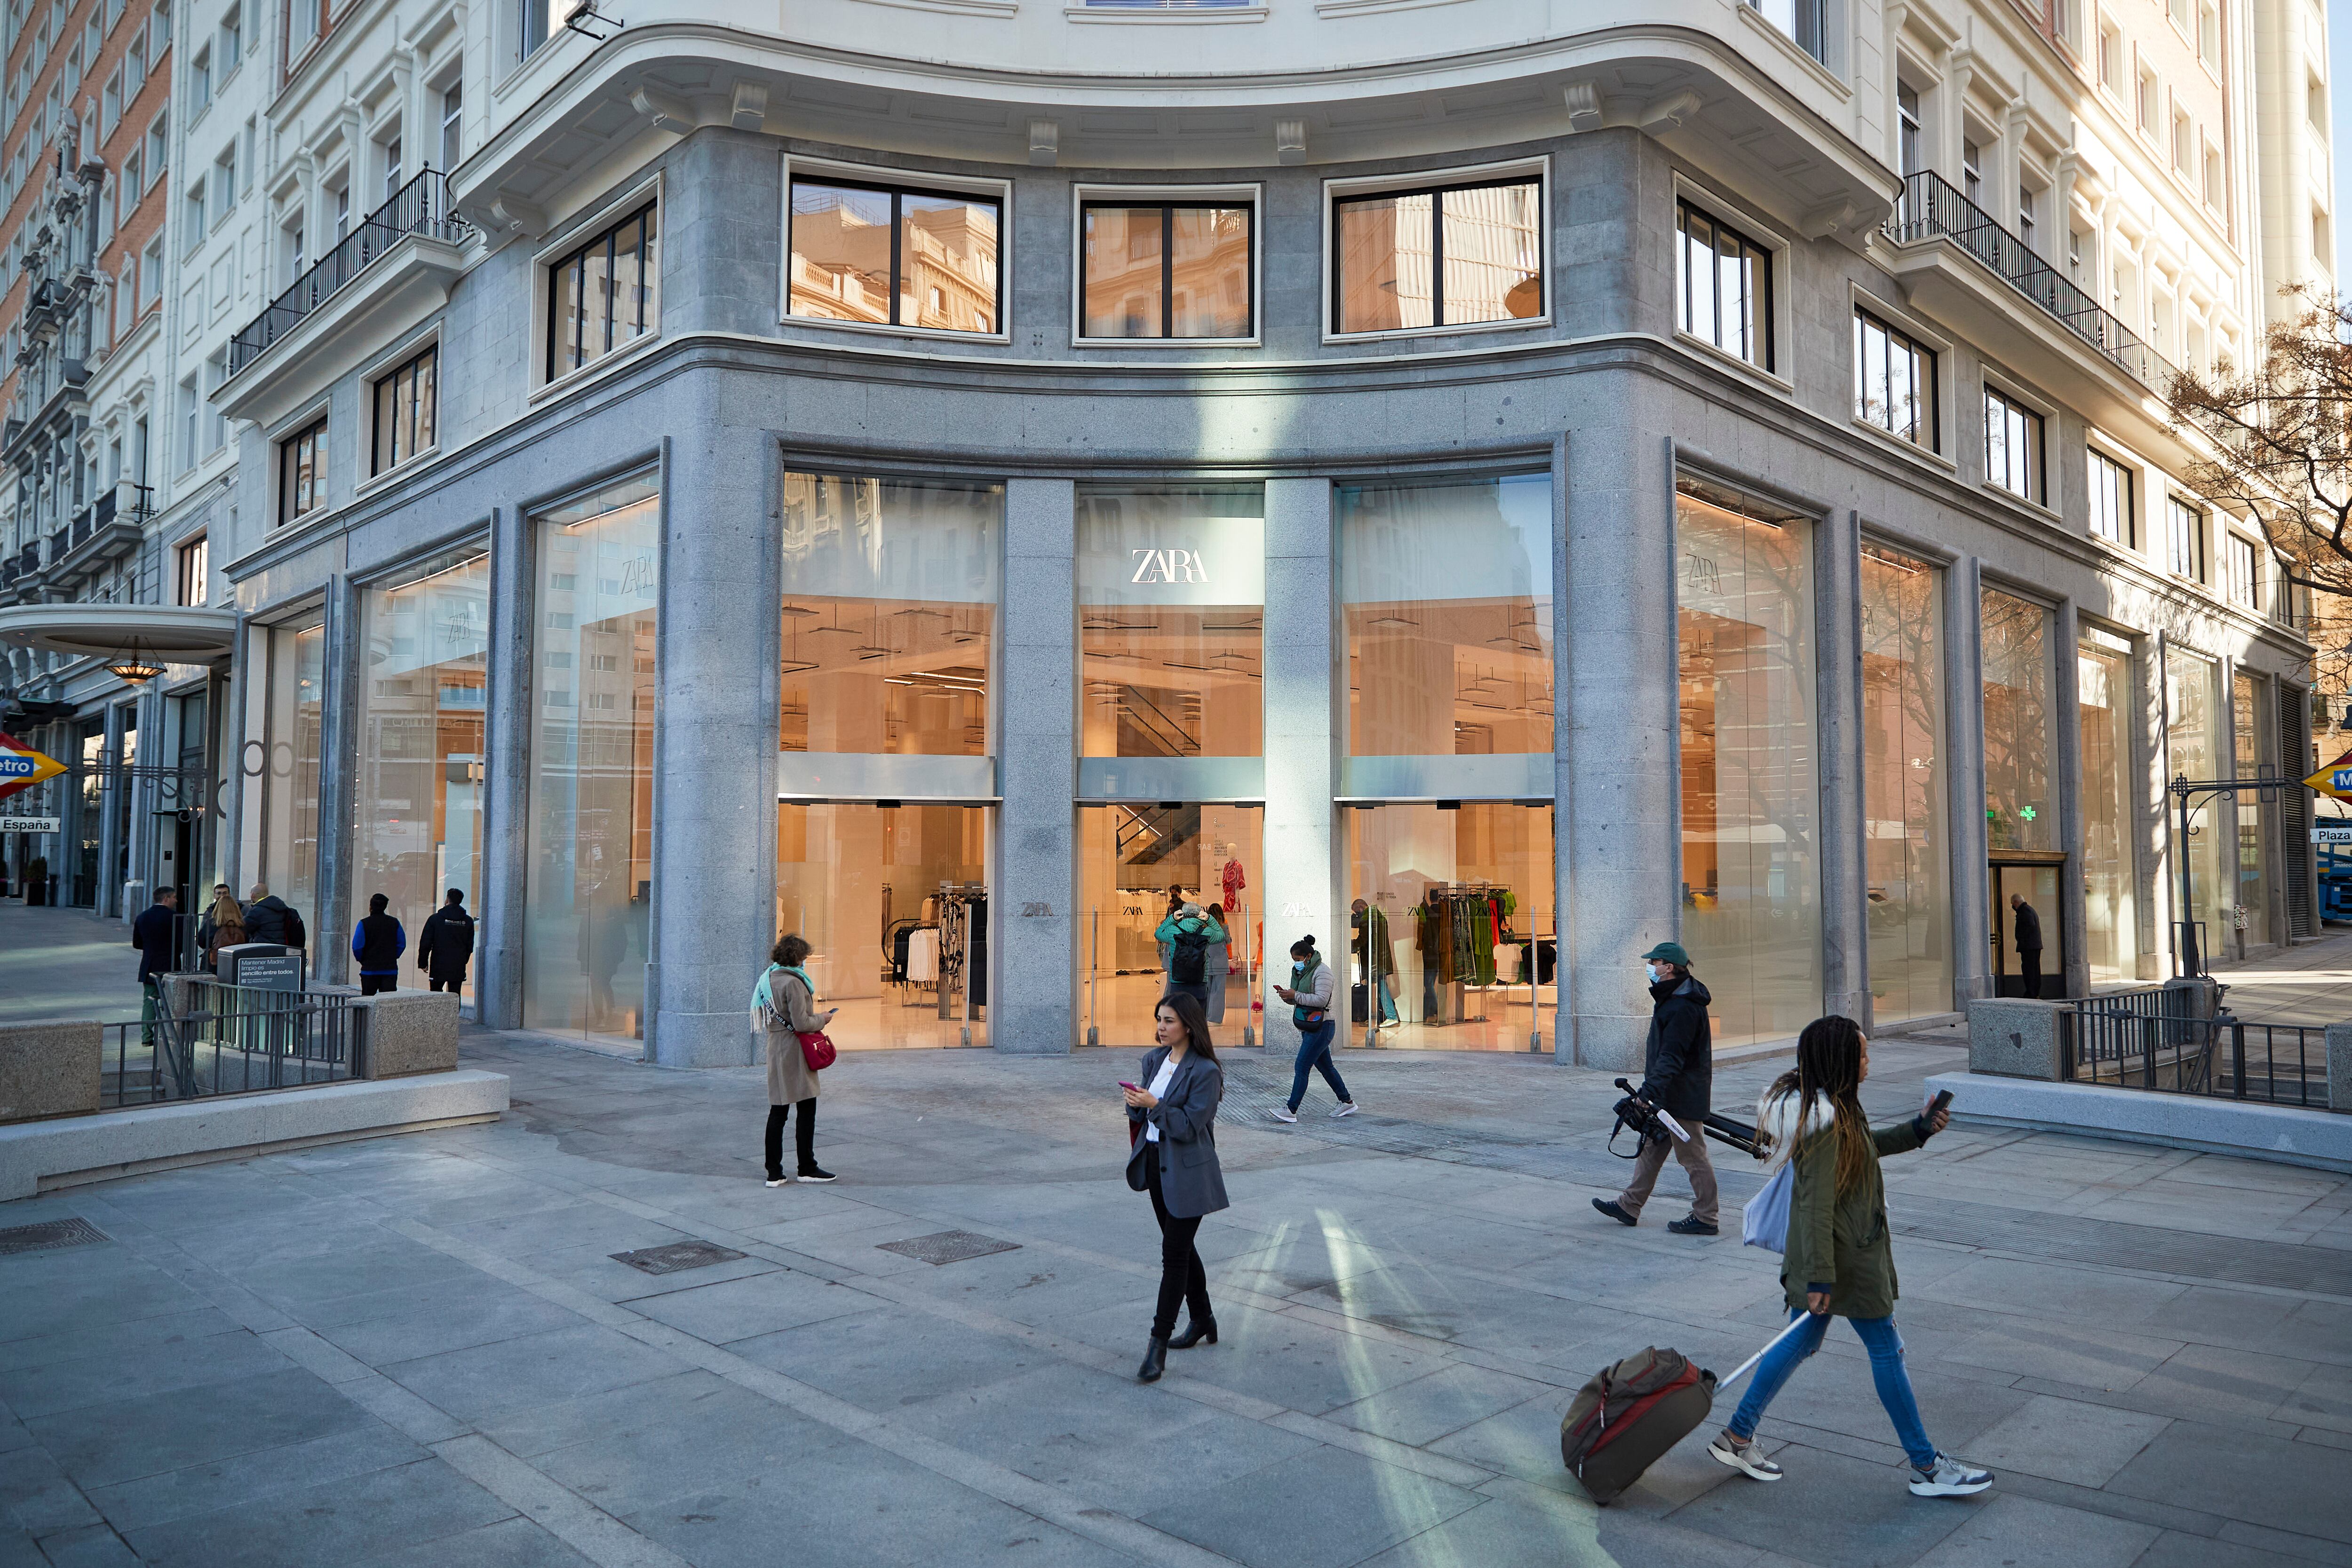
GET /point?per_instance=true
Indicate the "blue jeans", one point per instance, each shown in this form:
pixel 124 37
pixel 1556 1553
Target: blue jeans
pixel 1388 1002
pixel 1315 1056
pixel 1886 1348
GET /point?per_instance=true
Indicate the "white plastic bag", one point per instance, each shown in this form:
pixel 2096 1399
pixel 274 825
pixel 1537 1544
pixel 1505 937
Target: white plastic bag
pixel 1765 1221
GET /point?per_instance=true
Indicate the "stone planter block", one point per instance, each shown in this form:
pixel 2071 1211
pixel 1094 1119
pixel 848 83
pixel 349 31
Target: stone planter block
pixel 410 1033
pixel 49 1070
pixel 2014 1038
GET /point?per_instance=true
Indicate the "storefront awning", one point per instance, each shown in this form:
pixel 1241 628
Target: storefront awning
pixel 178 634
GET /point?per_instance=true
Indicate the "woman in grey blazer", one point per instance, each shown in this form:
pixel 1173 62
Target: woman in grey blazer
pixel 1172 1122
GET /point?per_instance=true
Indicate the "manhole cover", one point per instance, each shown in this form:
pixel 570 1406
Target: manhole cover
pixel 950 1247
pixel 50 1235
pixel 677 1256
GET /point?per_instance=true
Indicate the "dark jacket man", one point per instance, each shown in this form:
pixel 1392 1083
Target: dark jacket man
pixel 265 917
pixel 153 935
pixel 1678 1064
pixel 2029 926
pixel 377 942
pixel 446 943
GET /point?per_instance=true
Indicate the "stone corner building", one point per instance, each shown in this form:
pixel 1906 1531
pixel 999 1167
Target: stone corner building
pixel 1700 476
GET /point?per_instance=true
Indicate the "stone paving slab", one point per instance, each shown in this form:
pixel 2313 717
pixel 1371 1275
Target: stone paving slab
pixel 425 1353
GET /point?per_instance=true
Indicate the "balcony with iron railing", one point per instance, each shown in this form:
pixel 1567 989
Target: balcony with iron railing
pixel 421 207
pixel 1930 208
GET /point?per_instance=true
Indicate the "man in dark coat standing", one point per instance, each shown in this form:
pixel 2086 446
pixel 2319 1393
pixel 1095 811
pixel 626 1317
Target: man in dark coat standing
pixel 447 944
pixel 2029 942
pixel 1678 1078
pixel 155 934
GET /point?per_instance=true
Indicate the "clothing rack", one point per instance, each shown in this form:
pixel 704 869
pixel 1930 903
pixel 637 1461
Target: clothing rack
pixel 963 950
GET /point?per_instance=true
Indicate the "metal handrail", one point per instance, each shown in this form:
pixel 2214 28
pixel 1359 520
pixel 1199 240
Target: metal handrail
pixel 419 208
pixel 1931 209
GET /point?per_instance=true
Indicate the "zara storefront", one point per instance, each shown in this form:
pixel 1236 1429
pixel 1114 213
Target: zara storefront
pixel 1490 559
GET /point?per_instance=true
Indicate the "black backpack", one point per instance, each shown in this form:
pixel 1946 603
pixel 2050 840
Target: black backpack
pixel 1189 963
pixel 296 936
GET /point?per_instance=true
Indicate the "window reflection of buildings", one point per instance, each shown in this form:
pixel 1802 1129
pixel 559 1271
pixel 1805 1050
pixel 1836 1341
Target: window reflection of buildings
pixel 2017 724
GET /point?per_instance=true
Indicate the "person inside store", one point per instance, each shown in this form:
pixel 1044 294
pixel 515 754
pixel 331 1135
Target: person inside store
pixel 1187 935
pixel 377 942
pixel 783 1009
pixel 155 934
pixel 447 944
pixel 1309 997
pixel 1172 1118
pixel 1678 1078
pixel 1375 960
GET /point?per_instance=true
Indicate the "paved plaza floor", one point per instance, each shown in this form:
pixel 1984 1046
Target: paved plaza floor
pixel 420 1349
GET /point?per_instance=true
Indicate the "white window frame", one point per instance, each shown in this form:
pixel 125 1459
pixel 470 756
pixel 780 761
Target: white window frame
pixel 2134 477
pixel 1334 190
pixel 998 191
pixel 1775 245
pixel 591 220
pixel 1252 195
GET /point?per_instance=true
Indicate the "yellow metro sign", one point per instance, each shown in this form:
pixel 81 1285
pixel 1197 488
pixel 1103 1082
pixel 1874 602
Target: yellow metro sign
pixel 2335 780
pixel 21 767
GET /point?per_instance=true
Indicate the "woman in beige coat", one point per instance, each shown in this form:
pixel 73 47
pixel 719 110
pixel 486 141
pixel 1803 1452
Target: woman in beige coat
pixel 784 1008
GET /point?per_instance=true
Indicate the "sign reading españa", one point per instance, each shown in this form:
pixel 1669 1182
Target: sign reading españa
pixel 2335 780
pixel 21 767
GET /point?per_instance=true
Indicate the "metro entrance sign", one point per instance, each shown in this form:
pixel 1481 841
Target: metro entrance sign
pixel 2334 780
pixel 21 767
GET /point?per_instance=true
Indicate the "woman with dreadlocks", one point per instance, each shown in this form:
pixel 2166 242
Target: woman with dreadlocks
pixel 1840 1262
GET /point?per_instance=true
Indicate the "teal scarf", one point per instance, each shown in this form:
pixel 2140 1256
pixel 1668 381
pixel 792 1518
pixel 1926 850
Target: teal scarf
pixel 1302 975
pixel 764 1010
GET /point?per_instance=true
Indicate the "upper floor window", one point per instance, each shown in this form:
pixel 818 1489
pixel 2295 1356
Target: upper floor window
pixel 2240 573
pixel 453 106
pixel 1801 20
pixel 895 256
pixel 1453 255
pixel 2013 445
pixel 200 81
pixel 195 582
pixel 1168 269
pixel 232 42
pixel 305 20
pixel 2111 500
pixel 1894 381
pixel 1723 287
pixel 303 471
pixel 405 412
pixel 532 22
pixel 602 296
pixel 1908 141
pixel 1972 171
pixel 2187 541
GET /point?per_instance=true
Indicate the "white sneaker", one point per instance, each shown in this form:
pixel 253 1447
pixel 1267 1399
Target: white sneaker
pixel 1949 1478
pixel 780 1181
pixel 1280 1116
pixel 1747 1457
pixel 1345 1108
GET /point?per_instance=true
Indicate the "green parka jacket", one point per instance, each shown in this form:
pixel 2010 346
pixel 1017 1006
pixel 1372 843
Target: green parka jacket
pixel 1838 1241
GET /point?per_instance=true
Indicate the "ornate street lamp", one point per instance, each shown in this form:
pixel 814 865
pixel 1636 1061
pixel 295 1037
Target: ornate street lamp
pixel 136 665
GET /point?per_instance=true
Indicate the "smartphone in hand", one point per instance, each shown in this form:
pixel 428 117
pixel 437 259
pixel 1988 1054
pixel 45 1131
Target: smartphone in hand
pixel 1130 1088
pixel 1943 1099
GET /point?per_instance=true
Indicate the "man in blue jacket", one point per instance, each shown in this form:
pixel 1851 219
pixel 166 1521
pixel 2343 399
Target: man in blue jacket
pixel 1678 1078
pixel 377 942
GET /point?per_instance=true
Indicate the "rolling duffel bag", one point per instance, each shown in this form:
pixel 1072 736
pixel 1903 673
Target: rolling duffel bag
pixel 1632 1412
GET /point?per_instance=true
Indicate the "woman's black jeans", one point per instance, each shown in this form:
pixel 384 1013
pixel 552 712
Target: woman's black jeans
pixel 804 1137
pixel 1182 1278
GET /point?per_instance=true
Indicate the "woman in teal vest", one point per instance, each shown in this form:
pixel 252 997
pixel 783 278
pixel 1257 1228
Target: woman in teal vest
pixel 1309 996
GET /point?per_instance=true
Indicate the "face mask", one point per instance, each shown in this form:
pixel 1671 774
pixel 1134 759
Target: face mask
pixel 1656 972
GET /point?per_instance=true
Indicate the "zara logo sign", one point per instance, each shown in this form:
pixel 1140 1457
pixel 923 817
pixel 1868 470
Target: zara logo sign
pixel 1169 565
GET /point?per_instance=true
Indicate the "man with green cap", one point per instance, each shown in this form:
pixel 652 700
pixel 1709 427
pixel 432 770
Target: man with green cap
pixel 1678 1077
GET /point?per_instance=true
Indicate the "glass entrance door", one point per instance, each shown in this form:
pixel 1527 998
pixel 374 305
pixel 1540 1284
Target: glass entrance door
pixel 1141 863
pixel 893 901
pixel 2020 971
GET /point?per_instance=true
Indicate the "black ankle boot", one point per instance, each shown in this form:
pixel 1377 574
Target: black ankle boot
pixel 1155 1361
pixel 1195 1331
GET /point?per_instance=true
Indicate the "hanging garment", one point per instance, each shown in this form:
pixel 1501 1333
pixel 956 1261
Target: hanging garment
pixel 1234 883
pixel 923 956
